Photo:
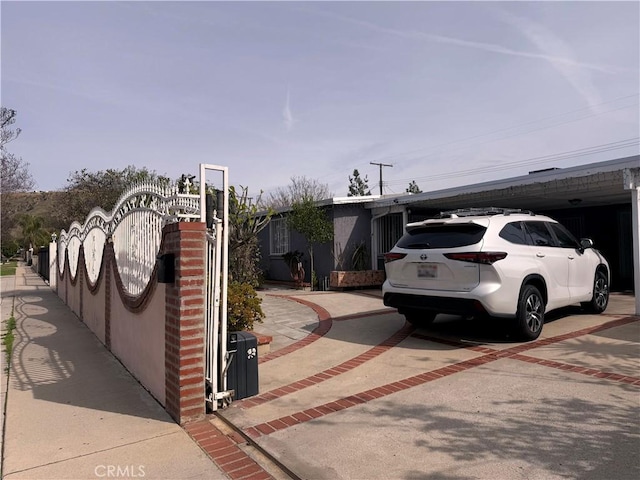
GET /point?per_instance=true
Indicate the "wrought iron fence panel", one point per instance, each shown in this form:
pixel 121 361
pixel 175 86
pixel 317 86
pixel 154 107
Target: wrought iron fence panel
pixel 135 228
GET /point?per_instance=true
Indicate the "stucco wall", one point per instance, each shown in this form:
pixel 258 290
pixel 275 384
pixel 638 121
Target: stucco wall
pixel 352 225
pixel 93 307
pixel 73 293
pixel 138 340
pixel 62 284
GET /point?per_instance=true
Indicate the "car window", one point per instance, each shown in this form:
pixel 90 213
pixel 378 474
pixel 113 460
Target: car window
pixel 442 236
pixel 540 234
pixel 513 232
pixel 565 239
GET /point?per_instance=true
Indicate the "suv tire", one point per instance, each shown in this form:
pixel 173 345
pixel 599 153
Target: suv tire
pixel 530 314
pixel 600 298
pixel 420 318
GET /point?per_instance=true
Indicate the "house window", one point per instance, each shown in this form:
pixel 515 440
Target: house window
pixel 278 236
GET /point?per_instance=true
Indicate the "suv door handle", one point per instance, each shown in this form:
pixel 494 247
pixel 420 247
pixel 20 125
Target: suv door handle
pixel 540 255
pixel 571 257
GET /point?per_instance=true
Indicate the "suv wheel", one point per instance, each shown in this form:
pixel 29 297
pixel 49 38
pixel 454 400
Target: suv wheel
pixel 530 314
pixel 600 298
pixel 419 318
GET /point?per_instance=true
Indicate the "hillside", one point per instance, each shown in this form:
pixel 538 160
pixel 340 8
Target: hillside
pixel 45 205
pixel 40 204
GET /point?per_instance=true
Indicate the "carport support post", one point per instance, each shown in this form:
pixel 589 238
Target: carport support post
pixel 632 182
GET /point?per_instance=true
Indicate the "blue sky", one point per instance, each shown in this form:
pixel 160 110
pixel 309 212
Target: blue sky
pixel 449 93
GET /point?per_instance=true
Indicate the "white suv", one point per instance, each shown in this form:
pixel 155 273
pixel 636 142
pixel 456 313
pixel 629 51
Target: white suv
pixel 497 262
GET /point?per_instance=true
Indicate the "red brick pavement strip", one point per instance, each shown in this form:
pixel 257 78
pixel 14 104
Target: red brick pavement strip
pixel 225 452
pixel 420 379
pixel 590 372
pixel 325 323
pixel 346 366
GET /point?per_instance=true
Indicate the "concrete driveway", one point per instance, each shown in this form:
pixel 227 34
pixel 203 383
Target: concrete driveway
pixel 360 394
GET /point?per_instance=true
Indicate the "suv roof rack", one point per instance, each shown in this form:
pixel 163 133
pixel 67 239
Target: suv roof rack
pixel 468 212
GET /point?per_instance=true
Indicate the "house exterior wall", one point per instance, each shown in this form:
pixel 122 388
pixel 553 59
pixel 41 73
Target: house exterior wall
pixel 605 214
pixel 352 225
pixel 273 266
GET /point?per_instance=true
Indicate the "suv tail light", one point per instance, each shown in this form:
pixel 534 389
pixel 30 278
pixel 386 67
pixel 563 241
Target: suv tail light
pixel 486 258
pixel 390 257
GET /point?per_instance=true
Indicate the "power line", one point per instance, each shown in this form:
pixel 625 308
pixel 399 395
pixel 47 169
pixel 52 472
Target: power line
pixel 606 147
pixel 399 156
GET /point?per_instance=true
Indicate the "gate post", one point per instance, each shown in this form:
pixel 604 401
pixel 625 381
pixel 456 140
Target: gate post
pixel 184 322
pixel 53 264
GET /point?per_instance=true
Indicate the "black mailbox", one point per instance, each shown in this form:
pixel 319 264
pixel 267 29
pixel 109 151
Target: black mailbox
pixel 242 375
pixel 166 268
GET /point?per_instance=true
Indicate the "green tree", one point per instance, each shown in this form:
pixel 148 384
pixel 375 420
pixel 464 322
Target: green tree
pixel 33 233
pixel 87 190
pixel 245 223
pixel 312 222
pixel 357 186
pixel 413 187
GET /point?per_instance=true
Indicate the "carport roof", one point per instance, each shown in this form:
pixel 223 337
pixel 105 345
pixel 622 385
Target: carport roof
pixel 595 184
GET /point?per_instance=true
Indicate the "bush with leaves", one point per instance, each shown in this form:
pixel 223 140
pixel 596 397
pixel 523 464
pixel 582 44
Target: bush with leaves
pixel 243 307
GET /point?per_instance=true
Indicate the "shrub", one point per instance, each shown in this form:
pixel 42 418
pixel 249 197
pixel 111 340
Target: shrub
pixel 243 307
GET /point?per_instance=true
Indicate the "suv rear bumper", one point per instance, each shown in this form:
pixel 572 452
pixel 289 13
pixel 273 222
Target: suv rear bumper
pixel 454 306
pixel 495 299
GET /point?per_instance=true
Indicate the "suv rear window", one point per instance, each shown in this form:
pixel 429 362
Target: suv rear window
pixel 442 236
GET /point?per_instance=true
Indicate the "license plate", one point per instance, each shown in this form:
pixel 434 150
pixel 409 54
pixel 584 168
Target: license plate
pixel 427 270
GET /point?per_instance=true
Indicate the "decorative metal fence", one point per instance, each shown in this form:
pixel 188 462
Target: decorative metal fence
pixel 43 263
pixel 134 227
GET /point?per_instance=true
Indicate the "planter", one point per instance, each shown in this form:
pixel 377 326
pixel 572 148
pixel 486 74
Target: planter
pixel 356 278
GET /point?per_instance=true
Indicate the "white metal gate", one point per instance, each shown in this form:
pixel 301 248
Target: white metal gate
pixel 216 271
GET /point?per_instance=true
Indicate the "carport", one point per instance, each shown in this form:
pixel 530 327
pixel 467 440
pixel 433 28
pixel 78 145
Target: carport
pixel 601 200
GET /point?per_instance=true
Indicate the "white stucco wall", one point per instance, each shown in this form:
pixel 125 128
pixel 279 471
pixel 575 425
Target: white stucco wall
pixel 138 340
pixel 93 309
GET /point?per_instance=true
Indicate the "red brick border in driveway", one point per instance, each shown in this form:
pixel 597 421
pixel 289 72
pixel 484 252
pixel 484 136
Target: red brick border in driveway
pixel 346 366
pixel 225 452
pixel 324 326
pixel 490 355
pixel 326 322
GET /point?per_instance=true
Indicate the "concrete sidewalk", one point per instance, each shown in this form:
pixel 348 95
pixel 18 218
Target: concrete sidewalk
pixel 72 410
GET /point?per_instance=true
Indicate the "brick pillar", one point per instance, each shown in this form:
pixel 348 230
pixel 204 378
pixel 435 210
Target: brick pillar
pixel 184 322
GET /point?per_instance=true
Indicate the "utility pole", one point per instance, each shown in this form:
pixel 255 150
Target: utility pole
pixel 381 165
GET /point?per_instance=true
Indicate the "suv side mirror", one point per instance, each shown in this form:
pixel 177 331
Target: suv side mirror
pixel 586 243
